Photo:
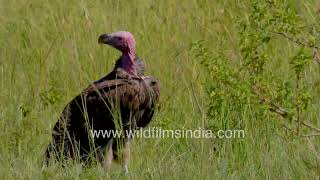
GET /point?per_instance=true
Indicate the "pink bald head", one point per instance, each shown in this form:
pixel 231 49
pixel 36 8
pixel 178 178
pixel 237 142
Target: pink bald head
pixel 121 40
pixel 124 42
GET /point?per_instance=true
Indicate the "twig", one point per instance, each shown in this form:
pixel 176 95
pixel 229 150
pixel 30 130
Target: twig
pixel 279 110
pixel 314 48
pixel 298 109
pixel 309 126
pixel 289 129
pixel 295 40
pixel 303 135
pixel 49 51
pixel 198 104
pixel 311 135
pixel 316 56
pixel 272 107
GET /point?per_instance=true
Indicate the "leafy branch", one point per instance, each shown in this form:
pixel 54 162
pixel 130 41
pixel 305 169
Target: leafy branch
pixel 279 110
pixel 315 49
pixel 244 83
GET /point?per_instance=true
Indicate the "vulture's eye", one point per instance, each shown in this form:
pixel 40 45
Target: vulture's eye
pixel 119 38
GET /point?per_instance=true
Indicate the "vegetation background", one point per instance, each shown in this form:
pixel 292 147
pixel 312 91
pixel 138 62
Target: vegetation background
pixel 222 65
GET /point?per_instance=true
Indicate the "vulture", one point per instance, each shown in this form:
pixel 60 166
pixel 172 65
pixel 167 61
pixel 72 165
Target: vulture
pixel 125 99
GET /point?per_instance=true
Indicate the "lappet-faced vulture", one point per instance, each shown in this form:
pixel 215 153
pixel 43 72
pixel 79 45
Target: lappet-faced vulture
pixel 125 99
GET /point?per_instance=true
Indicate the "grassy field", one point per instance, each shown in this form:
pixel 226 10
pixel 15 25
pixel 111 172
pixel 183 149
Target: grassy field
pixel 49 53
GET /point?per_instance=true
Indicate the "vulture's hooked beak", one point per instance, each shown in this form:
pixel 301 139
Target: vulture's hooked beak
pixel 104 39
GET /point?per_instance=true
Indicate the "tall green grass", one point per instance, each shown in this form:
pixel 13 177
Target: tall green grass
pixel 49 53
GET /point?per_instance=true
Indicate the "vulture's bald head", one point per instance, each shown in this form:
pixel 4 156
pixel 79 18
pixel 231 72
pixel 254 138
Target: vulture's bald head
pixel 121 40
pixel 124 42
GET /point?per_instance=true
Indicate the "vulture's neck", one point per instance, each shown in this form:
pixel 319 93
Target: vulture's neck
pixel 127 62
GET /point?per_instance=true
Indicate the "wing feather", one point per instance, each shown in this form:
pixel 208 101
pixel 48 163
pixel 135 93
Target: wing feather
pixel 97 107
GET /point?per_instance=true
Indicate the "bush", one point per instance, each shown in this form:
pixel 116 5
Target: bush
pixel 242 81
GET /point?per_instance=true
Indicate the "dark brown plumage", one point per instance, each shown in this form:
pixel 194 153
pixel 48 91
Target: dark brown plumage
pixel 124 99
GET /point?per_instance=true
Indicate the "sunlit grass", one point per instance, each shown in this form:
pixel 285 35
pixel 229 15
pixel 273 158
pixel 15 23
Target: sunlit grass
pixel 49 53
